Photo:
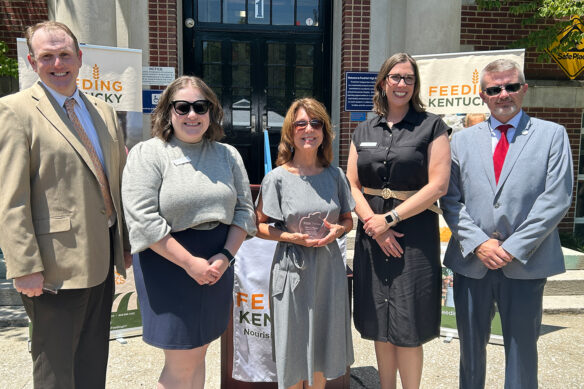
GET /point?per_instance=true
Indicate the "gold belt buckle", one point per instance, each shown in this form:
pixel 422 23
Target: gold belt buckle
pixel 386 193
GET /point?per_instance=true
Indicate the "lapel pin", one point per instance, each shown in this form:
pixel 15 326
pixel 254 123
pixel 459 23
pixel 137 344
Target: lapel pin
pixel 524 132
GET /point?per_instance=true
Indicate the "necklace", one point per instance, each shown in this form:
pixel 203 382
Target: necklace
pixel 301 170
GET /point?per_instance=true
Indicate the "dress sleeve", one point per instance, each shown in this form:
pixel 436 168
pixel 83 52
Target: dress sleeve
pixel 141 183
pixel 356 137
pixel 345 197
pixel 272 197
pixel 439 128
pixel 244 215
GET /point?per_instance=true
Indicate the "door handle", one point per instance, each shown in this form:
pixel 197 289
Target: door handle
pixel 252 127
pixel 265 122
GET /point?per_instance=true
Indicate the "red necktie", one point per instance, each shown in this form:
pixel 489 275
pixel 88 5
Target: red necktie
pixel 501 150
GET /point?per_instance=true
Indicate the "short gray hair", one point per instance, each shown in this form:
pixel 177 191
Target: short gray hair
pixel 501 65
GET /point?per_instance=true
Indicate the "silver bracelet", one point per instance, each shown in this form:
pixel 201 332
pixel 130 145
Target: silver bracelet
pixel 396 216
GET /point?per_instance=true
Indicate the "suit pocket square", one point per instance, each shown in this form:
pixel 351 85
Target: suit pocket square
pixel 51 225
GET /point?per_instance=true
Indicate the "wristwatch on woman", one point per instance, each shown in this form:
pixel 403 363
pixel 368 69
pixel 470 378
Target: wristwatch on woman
pixel 392 218
pixel 228 254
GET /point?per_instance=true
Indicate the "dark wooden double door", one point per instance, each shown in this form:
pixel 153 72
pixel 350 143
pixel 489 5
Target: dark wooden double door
pixel 256 77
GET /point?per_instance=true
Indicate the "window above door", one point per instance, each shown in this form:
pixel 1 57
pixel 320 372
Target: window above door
pixel 297 13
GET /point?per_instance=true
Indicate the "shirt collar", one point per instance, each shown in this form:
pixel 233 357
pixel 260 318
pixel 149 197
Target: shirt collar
pixel 514 121
pixel 61 98
pixel 411 117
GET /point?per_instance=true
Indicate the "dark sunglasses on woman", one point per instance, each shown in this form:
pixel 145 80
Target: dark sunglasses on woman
pixel 182 107
pixel 316 124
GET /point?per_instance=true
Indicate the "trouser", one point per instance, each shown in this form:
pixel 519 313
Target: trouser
pixel 520 308
pixel 70 335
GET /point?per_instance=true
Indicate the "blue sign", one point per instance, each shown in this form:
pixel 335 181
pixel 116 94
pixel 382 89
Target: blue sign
pixel 358 116
pixel 150 100
pixel 359 90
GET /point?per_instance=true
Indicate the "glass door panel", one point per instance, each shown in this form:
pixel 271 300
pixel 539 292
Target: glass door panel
pixel 211 64
pixel 304 71
pixel 276 101
pixel 234 11
pixel 241 85
pixel 307 13
pixel 258 11
pixel 209 11
pixel 283 12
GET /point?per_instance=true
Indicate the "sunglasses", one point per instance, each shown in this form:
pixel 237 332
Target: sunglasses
pixel 182 107
pixel 396 78
pixel 510 88
pixel 316 124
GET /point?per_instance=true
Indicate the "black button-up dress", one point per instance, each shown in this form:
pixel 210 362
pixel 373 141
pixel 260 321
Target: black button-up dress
pixel 397 300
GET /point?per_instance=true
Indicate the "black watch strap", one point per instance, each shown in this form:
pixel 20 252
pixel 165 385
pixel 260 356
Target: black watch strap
pixel 228 254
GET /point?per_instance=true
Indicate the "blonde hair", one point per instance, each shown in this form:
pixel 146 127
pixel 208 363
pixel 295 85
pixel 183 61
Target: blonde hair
pixel 315 110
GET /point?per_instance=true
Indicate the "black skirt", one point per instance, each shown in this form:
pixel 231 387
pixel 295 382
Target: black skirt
pixel 397 300
pixel 177 312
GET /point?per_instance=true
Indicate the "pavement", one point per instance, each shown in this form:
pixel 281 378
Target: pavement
pixel 134 364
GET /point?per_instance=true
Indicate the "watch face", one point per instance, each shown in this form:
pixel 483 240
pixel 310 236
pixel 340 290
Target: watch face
pixel 389 218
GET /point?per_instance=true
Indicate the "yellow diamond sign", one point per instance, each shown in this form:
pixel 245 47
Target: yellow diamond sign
pixel 572 61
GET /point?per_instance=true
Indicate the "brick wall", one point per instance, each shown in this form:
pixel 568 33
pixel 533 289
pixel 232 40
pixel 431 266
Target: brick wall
pixel 354 57
pixel 497 29
pixel 162 24
pixel 16 17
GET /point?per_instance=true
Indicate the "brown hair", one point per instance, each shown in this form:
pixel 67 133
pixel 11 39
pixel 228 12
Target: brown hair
pixel 315 110
pixel 379 100
pixel 161 123
pixel 48 26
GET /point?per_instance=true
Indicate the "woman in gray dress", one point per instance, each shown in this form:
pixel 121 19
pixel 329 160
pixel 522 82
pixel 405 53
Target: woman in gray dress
pixel 188 208
pixel 310 203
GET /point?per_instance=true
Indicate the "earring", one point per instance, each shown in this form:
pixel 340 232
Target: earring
pixel 383 93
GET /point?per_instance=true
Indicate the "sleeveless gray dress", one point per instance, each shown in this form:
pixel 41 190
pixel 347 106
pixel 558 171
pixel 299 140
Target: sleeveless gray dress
pixel 311 328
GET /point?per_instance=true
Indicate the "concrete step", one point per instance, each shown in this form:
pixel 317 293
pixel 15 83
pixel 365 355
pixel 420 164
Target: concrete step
pixel 13 316
pixel 570 283
pixel 563 304
pixel 8 295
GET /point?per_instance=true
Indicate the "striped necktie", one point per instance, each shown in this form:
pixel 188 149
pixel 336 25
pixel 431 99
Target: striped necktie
pixel 101 176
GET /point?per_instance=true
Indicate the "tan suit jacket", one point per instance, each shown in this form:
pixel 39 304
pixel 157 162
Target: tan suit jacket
pixel 52 212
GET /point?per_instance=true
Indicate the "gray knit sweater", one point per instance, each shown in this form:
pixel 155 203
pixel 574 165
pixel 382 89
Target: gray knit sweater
pixel 172 186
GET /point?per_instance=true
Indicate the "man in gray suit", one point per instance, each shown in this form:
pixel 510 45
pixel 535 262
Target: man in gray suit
pixel 511 184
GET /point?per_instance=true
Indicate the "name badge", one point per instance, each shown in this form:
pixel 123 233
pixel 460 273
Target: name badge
pixel 181 161
pixel 368 144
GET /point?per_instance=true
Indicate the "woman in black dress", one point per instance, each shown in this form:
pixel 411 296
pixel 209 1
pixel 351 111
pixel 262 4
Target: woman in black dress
pixel 399 165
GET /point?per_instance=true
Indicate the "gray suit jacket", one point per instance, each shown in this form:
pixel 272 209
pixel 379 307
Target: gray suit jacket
pixel 523 210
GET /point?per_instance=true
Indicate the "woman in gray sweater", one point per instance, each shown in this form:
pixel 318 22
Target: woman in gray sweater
pixel 188 208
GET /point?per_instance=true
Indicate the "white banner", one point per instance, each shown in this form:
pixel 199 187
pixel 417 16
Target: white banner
pixel 252 327
pixel 450 82
pixel 108 73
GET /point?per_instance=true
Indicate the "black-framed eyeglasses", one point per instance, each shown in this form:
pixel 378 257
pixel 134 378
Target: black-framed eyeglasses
pixel 396 78
pixel 314 123
pixel 510 88
pixel 182 107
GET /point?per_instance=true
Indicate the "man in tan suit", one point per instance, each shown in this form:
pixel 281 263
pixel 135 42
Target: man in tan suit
pixel 61 226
